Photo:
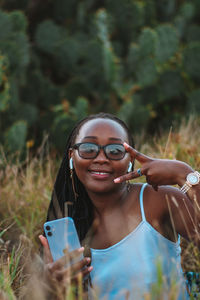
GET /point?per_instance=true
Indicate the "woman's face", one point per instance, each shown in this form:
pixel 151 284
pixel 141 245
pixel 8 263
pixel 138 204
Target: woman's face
pixel 97 174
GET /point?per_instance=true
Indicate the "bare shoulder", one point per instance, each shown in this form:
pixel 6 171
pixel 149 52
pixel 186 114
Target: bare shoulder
pixel 136 187
pixel 165 198
pixel 165 192
pixel 161 198
pixel 168 210
pixel 162 193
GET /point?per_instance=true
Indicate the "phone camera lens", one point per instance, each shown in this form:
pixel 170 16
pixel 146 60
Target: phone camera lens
pixel 48 227
pixel 49 233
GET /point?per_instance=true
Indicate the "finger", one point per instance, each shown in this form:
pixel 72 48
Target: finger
pixel 61 275
pixel 80 265
pixel 67 258
pixel 87 270
pixel 136 154
pixel 155 187
pixel 73 271
pixel 127 176
pixel 47 253
pixel 74 255
pixel 82 274
pixel 150 182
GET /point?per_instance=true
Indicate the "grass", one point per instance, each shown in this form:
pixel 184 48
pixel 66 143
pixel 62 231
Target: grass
pixel 25 194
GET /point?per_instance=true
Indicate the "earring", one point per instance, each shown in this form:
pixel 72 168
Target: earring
pixel 71 164
pixel 72 177
pixel 130 167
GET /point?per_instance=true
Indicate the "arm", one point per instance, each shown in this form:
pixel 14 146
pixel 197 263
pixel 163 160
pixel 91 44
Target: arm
pixel 185 208
pixel 179 213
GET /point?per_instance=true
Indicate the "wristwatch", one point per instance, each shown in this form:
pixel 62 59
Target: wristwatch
pixel 191 180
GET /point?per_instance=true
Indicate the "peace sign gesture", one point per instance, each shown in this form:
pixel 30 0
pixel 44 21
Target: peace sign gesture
pixel 157 171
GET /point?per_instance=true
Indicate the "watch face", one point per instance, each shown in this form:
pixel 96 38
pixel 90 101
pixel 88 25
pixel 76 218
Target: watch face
pixel 192 178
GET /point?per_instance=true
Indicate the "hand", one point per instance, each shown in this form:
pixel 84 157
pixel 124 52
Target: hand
pixel 157 171
pixel 47 253
pixel 57 271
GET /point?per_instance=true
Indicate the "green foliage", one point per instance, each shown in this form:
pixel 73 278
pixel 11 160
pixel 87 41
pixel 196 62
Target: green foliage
pixel 170 85
pixel 194 103
pixel 66 117
pixel 167 42
pixel 147 73
pixel 14 41
pixel 134 112
pixel 193 33
pixel 18 20
pixel 129 14
pixel 6 24
pixel 28 113
pixel 17 50
pixel 187 10
pixel 109 59
pixel 15 136
pixel 126 57
pixel 4 85
pixel 191 60
pixel 49 36
pixel 133 58
pixel 63 10
pixel 147 41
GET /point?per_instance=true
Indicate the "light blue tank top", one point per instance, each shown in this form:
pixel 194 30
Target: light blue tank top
pixel 131 267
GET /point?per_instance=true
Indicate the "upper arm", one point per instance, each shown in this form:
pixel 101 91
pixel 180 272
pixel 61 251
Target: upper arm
pixel 183 217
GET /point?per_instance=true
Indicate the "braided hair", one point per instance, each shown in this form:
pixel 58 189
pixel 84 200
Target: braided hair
pixel 63 202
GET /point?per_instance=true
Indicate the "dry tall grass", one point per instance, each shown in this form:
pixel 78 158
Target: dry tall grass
pixel 25 193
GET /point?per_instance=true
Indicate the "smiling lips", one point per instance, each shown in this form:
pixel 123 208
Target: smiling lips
pixel 100 174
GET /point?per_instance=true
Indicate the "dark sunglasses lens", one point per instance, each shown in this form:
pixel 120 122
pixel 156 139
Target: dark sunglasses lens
pixel 115 151
pixel 88 150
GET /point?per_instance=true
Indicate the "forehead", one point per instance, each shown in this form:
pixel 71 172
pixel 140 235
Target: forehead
pixel 102 128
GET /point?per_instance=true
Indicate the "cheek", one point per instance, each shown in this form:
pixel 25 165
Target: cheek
pixel 121 167
pixel 125 163
pixel 80 165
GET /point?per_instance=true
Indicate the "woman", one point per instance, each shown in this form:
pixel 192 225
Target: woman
pixel 132 229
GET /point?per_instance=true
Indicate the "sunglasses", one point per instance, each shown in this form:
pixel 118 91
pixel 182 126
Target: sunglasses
pixel 91 150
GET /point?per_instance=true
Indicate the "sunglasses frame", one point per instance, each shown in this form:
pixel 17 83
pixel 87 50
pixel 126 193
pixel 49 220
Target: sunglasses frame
pixel 76 147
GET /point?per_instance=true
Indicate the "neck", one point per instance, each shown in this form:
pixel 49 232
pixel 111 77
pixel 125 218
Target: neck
pixel 105 202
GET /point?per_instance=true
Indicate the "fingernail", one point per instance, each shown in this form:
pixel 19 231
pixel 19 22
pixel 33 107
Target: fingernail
pixel 125 144
pixel 90 268
pixel 81 249
pixel 88 259
pixel 116 180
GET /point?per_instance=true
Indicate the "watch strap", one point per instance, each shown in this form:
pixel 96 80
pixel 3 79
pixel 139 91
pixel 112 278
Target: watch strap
pixel 185 187
pixel 188 185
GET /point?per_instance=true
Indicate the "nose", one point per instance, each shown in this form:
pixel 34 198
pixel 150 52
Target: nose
pixel 101 157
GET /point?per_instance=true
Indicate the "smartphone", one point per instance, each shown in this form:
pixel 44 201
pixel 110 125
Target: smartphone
pixel 61 234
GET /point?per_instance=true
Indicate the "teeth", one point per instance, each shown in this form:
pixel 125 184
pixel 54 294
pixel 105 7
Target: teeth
pixel 100 173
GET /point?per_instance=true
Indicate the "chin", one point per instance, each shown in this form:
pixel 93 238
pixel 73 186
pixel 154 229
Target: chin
pixel 103 189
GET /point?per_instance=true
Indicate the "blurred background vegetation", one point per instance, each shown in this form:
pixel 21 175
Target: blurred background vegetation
pixel 61 60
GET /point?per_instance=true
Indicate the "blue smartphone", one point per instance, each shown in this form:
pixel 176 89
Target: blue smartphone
pixel 61 234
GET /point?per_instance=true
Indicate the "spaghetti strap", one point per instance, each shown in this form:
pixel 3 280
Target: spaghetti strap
pixel 141 201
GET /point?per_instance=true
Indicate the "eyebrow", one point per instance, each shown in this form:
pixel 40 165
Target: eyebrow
pixel 110 138
pixel 115 139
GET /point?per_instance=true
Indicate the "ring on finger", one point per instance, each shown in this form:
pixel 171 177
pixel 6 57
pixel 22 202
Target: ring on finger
pixel 139 172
